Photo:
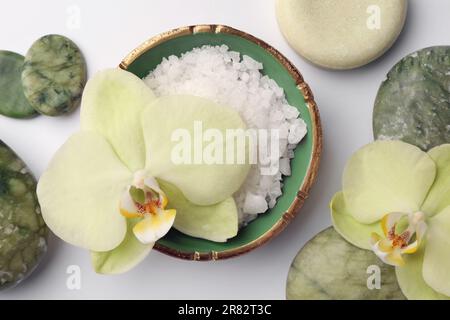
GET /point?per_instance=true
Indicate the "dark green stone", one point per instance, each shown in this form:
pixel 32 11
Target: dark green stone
pixel 23 234
pixel 54 75
pixel 12 99
pixel 413 103
pixel 330 268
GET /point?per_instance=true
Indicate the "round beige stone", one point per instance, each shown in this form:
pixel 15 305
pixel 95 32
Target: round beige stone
pixel 341 34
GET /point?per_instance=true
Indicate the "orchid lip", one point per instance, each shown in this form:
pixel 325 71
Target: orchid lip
pixel 145 200
pixel 391 248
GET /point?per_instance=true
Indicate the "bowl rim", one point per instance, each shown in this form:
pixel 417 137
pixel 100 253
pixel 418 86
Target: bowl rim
pixel 317 140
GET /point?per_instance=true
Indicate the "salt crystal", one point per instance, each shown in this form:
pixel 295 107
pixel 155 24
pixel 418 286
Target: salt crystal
pixel 272 202
pixel 285 166
pixel 255 204
pixel 297 131
pixel 290 111
pixel 245 76
pixel 284 130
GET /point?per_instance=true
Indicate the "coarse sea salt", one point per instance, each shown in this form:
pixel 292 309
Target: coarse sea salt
pixel 223 76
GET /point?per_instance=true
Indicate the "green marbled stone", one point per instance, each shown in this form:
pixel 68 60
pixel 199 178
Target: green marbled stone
pixel 413 103
pixel 54 75
pixel 23 234
pixel 330 268
pixel 12 99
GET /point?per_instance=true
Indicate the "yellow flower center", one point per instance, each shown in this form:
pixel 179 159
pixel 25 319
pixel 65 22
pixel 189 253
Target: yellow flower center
pixel 145 200
pixel 399 240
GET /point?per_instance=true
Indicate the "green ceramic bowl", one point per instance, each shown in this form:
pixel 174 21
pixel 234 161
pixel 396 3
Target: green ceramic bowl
pixel 307 155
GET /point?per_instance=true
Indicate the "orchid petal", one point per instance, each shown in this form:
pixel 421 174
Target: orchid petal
pixel 216 223
pixel 439 196
pixel 125 257
pixel 173 117
pixel 351 230
pixel 384 177
pixel 411 281
pixel 80 193
pixel 436 262
pixel 112 104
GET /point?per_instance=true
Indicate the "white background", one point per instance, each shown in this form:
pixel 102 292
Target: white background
pixel 109 29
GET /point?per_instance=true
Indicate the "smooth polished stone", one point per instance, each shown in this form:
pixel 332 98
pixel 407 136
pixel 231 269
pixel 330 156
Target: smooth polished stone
pixel 413 103
pixel 54 75
pixel 341 34
pixel 13 103
pixel 330 268
pixel 23 233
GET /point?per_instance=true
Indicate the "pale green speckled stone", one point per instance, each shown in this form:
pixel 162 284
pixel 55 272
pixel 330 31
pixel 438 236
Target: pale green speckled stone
pixel 341 34
pixel 330 268
pixel 23 234
pixel 54 75
pixel 413 103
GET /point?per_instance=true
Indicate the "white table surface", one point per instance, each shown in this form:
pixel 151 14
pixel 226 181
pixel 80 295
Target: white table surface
pixel 107 31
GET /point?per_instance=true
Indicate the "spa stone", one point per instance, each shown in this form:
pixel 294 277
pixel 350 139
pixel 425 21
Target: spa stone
pixel 413 103
pixel 341 34
pixel 54 75
pixel 330 268
pixel 12 99
pixel 23 234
